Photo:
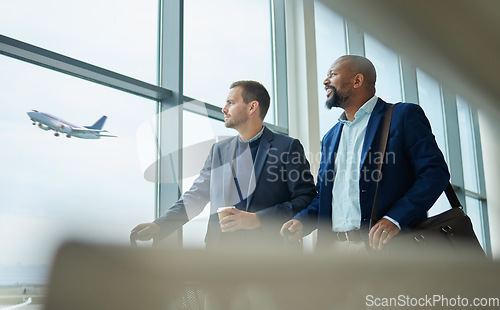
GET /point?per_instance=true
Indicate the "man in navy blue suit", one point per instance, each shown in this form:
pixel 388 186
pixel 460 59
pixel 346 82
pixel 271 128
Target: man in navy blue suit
pixel 414 172
pixel 263 176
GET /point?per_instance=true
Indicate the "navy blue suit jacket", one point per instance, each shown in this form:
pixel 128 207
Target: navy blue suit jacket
pixel 414 172
pixel 281 186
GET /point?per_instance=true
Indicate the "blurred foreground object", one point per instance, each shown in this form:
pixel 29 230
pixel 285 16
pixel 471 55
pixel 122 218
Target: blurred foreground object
pixel 112 277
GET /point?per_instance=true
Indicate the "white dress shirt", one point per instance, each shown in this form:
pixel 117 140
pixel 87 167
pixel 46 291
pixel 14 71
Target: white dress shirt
pixel 346 208
pixel 346 211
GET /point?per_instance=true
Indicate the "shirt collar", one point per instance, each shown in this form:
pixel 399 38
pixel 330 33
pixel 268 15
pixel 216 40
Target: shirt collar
pixel 366 109
pixel 254 138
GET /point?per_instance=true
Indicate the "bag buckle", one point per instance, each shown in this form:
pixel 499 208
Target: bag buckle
pixel 447 230
pixel 419 238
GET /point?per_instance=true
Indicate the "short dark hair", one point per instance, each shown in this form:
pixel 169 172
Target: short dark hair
pixel 252 90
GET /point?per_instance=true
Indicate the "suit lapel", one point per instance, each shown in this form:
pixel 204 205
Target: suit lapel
pixel 334 146
pixel 330 149
pixel 371 129
pixel 260 160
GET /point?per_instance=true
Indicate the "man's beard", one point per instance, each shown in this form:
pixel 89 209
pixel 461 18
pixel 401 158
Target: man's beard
pixel 337 99
pixel 235 122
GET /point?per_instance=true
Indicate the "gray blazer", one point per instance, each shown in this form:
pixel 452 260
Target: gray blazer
pixel 276 186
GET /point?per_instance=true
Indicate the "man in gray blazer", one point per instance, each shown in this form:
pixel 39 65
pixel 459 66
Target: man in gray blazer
pixel 263 176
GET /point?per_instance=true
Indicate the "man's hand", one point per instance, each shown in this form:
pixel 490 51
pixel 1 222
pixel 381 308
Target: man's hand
pixel 292 230
pixel 239 220
pixel 146 231
pixel 381 233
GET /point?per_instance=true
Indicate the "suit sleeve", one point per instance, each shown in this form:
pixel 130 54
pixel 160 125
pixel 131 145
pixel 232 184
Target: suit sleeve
pixel 309 216
pixel 429 167
pixel 300 184
pixel 190 204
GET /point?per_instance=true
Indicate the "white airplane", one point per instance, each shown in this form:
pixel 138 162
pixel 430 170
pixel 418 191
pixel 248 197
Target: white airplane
pixel 49 122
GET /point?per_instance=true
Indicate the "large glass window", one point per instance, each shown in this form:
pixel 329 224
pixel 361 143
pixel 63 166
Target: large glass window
pixel 430 99
pixel 386 63
pixel 330 44
pixel 115 34
pixel 474 211
pixel 474 206
pixel 226 41
pixel 467 145
pixel 58 188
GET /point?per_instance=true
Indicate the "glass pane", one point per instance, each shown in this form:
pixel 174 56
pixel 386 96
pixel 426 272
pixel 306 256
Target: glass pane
pixel 429 97
pixel 441 205
pixel 474 212
pixel 467 145
pixel 118 35
pixel 330 44
pixel 200 132
pixel 386 63
pixel 226 41
pixel 58 188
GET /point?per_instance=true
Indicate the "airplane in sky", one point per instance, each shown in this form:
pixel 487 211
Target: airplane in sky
pixel 49 122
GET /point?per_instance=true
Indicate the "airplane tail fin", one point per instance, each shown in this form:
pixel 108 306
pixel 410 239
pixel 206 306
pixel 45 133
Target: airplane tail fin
pixel 99 124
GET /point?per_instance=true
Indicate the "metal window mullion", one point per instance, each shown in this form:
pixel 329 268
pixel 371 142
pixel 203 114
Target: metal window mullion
pixel 170 118
pixel 454 150
pixel 278 34
pixel 474 195
pixel 478 152
pixel 57 62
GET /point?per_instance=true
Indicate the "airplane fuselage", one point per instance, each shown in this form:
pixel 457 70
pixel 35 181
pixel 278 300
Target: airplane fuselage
pixel 49 122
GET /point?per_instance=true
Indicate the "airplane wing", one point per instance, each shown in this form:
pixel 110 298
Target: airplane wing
pixel 88 130
pixel 107 136
pixel 94 131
